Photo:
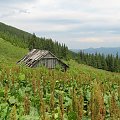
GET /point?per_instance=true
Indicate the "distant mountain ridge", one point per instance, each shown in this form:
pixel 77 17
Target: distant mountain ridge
pixel 102 50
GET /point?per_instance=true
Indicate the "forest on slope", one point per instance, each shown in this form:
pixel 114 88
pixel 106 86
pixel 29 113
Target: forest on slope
pixel 29 41
pixel 106 62
pixel 23 39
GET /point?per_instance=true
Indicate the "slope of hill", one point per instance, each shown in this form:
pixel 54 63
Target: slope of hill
pixel 10 53
pixel 101 50
pixel 24 39
pixel 15 36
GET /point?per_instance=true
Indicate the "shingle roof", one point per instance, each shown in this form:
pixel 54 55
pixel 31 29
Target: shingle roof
pixel 37 54
pixel 33 56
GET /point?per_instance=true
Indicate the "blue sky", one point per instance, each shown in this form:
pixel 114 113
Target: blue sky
pixel 77 23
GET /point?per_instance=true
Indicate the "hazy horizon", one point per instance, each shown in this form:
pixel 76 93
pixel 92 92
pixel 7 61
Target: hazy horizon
pixel 95 48
pixel 79 24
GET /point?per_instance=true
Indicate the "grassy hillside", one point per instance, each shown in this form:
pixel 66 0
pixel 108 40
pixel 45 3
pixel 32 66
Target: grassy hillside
pixel 10 53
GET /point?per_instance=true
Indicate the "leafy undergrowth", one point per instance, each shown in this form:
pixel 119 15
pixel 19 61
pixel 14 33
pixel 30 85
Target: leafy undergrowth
pixel 81 93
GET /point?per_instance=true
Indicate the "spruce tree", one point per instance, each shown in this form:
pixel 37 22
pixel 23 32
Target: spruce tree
pixel 32 42
pixel 116 64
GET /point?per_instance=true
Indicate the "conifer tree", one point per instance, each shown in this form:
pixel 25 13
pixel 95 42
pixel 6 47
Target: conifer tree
pixel 116 64
pixel 32 42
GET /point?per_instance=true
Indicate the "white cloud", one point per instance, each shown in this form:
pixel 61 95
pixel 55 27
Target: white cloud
pixel 85 21
pixel 90 40
pixel 99 39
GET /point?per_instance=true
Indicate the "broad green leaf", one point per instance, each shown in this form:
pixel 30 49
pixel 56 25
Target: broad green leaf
pixel 1 94
pixel 12 100
pixel 72 116
pixel 21 76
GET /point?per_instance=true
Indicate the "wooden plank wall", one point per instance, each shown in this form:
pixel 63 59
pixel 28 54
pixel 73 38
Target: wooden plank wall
pixel 49 62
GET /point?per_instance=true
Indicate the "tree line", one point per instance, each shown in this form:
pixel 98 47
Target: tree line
pixel 26 40
pixel 106 62
pixel 60 50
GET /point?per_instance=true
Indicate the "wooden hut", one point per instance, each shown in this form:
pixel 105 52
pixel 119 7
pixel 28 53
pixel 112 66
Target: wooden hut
pixel 45 58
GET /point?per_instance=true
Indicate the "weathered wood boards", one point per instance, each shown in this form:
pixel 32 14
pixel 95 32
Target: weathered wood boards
pixel 45 58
